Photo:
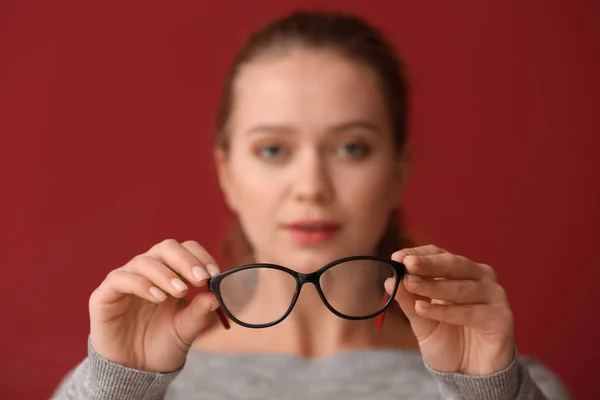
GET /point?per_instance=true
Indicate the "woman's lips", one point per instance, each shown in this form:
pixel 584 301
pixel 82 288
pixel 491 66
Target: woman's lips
pixel 310 232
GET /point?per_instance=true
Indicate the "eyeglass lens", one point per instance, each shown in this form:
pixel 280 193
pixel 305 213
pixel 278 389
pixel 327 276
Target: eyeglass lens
pixel 353 288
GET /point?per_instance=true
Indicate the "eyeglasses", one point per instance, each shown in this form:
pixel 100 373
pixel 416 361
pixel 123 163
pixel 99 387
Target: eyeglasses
pixel 351 288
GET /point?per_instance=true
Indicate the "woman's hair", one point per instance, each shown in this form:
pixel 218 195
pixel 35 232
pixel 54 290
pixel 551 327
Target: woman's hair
pixel 350 37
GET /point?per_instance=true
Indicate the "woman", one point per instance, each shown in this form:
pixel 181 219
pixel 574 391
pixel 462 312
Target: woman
pixel 311 158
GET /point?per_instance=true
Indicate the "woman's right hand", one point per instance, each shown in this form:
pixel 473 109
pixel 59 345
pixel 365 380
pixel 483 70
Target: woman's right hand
pixel 138 315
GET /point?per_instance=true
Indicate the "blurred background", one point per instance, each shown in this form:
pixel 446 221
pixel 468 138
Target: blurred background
pixel 106 125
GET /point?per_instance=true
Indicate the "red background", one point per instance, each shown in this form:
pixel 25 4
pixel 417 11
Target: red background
pixel 106 115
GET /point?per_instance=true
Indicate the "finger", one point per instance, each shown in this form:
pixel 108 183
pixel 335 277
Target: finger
pixel 191 320
pixel 180 260
pixel 159 274
pixel 429 249
pixel 477 316
pixel 120 282
pixel 447 265
pixel 456 291
pixel 422 327
pixel 204 256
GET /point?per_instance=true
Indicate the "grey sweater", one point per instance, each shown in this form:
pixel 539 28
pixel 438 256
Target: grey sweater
pixel 373 374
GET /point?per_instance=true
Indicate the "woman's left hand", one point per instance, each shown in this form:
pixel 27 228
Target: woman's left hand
pixel 458 311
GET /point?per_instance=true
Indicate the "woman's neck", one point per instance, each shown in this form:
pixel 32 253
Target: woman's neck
pixel 320 335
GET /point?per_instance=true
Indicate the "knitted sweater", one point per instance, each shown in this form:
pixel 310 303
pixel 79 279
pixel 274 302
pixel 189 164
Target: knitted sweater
pixel 365 374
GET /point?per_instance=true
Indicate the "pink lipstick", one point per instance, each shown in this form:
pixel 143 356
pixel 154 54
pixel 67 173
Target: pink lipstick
pixel 312 231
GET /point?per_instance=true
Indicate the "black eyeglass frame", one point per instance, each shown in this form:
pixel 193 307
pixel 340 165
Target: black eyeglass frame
pixel 214 284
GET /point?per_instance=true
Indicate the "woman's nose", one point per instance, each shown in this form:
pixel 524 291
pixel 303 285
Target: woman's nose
pixel 312 180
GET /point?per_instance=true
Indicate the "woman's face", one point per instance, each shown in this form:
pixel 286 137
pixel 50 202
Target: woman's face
pixel 311 170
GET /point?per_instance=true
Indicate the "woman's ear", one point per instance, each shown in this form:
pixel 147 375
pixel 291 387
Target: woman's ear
pixel 224 177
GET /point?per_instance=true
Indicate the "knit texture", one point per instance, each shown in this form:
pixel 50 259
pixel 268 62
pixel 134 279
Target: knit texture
pixel 372 374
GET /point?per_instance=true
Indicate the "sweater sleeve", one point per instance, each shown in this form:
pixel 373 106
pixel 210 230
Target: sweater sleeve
pixel 523 379
pixel 96 378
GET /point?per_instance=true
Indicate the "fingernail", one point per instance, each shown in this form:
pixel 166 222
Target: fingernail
pixel 157 293
pixel 422 303
pixel 414 278
pixel 199 273
pixel 212 269
pixel 214 306
pixel 389 284
pixel 178 284
pixel 414 260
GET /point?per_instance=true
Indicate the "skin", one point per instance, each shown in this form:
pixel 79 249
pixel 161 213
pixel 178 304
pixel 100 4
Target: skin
pixel 309 138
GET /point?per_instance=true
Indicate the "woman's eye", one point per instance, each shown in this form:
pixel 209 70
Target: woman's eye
pixel 271 151
pixel 354 149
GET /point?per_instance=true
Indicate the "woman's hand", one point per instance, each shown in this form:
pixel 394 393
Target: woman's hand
pixel 457 310
pixel 138 315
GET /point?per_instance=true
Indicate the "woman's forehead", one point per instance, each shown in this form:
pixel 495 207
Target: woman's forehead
pixel 306 87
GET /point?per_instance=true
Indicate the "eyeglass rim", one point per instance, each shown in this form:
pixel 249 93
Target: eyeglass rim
pixel 214 284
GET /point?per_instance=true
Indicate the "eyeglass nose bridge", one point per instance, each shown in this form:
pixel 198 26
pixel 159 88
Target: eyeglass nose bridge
pixel 313 278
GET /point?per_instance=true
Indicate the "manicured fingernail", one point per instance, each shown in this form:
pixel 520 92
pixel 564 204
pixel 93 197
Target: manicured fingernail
pixel 214 306
pixel 157 293
pixel 423 303
pixel 199 273
pixel 212 269
pixel 414 278
pixel 389 284
pixel 414 260
pixel 178 284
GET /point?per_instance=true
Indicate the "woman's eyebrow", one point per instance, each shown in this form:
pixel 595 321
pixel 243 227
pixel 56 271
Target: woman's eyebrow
pixel 270 128
pixel 356 124
pixel 345 126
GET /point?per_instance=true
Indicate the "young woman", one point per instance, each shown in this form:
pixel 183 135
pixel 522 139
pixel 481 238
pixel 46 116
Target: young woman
pixel 311 156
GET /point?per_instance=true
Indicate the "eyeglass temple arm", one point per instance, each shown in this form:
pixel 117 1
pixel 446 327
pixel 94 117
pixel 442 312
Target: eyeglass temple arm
pixel 220 313
pixel 222 318
pixel 381 317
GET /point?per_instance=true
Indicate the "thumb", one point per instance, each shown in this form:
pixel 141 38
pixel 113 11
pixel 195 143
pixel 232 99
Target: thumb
pixel 190 320
pixel 422 327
